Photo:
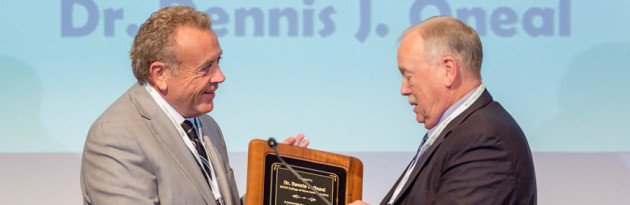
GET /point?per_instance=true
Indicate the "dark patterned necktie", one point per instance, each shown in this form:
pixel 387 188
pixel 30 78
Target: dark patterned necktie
pixel 192 135
pixel 424 139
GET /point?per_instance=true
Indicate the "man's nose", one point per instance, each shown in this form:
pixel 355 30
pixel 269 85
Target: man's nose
pixel 218 77
pixel 404 89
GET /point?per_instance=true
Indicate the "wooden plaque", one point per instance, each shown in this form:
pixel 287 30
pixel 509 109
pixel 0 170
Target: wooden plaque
pixel 337 177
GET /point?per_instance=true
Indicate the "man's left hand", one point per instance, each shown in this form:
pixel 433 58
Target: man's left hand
pixel 299 141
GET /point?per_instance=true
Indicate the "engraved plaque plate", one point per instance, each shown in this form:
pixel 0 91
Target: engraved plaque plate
pixel 337 177
pixel 287 189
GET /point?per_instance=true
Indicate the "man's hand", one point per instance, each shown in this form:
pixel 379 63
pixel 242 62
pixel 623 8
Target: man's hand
pixel 297 141
pixel 358 202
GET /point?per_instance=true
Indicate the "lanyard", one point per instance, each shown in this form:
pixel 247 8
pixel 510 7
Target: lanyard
pixel 214 186
pixel 440 127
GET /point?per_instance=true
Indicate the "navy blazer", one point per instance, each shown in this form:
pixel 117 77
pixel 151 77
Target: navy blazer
pixel 481 157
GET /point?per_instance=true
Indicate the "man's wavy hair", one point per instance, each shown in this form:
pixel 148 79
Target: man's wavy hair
pixel 155 40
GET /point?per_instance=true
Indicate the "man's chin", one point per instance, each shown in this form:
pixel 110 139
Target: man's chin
pixel 204 109
pixel 427 124
pixel 419 119
pixel 208 109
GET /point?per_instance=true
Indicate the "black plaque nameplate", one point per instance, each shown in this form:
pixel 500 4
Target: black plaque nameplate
pixel 337 177
pixel 286 189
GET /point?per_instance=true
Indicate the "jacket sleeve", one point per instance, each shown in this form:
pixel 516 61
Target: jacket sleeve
pixel 114 169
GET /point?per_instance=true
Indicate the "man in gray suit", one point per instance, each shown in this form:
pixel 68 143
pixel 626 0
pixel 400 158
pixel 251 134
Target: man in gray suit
pixel 156 144
pixel 474 151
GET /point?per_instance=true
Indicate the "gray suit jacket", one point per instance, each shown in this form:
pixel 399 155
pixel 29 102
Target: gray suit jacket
pixel 481 157
pixel 134 155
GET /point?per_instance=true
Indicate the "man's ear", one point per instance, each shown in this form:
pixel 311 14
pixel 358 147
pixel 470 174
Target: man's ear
pixel 451 70
pixel 159 74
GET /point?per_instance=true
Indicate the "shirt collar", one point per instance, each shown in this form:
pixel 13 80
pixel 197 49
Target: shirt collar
pixel 451 109
pixel 179 119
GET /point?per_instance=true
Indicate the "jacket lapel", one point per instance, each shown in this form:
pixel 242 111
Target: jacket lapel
pixel 423 161
pixel 391 192
pixel 166 134
pixel 215 149
pixel 219 168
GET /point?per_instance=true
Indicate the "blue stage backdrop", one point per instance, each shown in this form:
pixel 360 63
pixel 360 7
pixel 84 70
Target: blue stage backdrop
pixel 324 68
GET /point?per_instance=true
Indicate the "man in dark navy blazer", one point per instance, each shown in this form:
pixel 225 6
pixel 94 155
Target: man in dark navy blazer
pixel 474 151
